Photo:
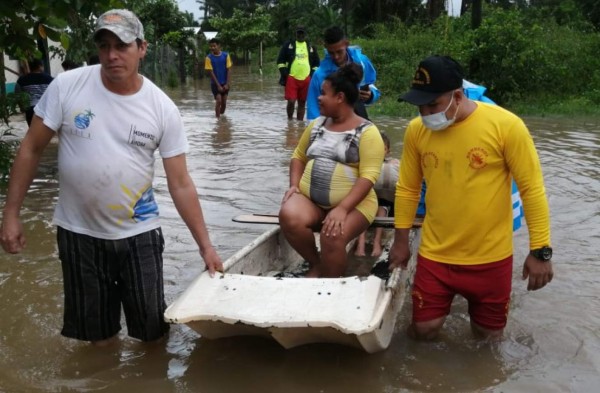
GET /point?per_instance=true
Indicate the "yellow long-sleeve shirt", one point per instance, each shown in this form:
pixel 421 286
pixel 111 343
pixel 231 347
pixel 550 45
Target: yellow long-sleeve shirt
pixel 468 169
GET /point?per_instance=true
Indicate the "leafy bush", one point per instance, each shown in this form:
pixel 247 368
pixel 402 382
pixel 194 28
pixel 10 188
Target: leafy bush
pixel 519 56
pixel 7 154
pixel 9 106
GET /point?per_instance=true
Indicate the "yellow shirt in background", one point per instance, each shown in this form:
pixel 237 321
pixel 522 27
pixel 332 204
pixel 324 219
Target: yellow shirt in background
pixel 300 68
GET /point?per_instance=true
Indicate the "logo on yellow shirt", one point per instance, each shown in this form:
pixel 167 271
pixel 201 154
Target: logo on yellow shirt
pixel 477 157
pixel 429 159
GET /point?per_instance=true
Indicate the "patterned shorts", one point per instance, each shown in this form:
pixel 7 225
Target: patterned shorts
pixel 101 275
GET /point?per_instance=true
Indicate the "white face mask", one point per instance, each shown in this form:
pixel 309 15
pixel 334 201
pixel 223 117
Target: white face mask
pixel 439 121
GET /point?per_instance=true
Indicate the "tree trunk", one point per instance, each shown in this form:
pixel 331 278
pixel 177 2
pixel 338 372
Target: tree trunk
pixel 464 6
pixel 476 14
pixel 2 77
pixel 475 23
pixel 435 8
pixel 182 72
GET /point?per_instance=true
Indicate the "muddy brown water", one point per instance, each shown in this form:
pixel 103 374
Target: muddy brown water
pixel 239 164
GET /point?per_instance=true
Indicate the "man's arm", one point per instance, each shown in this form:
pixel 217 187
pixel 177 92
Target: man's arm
pixel 400 250
pixel 209 71
pixel 228 65
pixel 21 175
pixel 187 202
pixel 312 99
pixel 524 164
pixel 314 60
pixel 408 188
pixel 281 57
pixel 369 79
pixel 282 64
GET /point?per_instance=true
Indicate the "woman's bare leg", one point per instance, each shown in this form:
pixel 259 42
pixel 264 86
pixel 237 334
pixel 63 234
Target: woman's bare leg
pixel 298 219
pixel 334 258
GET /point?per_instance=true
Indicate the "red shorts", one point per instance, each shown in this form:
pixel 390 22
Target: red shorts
pixel 486 287
pixel 295 89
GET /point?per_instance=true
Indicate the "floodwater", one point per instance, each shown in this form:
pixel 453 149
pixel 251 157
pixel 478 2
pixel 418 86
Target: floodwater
pixel 239 164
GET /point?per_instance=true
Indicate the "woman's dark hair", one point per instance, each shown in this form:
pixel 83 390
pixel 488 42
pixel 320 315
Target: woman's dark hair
pixel 345 80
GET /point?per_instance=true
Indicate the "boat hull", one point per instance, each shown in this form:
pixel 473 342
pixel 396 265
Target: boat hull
pixel 253 298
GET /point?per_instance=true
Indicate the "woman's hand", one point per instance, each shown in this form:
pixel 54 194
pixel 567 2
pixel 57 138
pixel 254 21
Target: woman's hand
pixel 333 224
pixel 291 191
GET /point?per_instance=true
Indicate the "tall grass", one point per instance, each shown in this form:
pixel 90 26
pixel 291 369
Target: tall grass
pixel 529 63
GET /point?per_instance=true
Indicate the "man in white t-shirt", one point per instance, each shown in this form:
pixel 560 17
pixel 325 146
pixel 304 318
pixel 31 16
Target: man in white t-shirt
pixel 109 121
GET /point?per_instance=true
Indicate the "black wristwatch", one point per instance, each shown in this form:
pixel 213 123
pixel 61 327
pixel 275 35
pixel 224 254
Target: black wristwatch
pixel 543 254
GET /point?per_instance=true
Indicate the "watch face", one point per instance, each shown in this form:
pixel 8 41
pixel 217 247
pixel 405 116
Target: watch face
pixel 546 253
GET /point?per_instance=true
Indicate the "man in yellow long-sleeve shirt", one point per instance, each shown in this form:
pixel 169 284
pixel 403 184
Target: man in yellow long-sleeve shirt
pixel 467 152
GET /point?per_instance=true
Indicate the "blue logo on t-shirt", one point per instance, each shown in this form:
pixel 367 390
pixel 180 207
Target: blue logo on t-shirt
pixel 83 120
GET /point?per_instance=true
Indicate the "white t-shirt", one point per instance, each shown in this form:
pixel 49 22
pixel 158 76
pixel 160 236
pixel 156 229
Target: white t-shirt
pixel 106 152
pixel 385 187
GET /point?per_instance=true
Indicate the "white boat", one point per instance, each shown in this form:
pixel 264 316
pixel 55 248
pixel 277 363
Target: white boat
pixel 260 293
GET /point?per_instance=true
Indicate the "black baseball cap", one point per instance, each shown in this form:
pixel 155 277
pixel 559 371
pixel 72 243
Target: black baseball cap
pixel 300 29
pixel 435 76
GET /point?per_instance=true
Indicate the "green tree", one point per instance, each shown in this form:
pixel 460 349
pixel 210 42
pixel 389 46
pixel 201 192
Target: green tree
pixel 165 28
pixel 226 8
pixel 365 13
pixel 314 14
pixel 256 29
pixel 24 23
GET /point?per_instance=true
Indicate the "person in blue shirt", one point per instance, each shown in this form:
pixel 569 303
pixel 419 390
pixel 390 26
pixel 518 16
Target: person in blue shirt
pixel 218 67
pixel 338 53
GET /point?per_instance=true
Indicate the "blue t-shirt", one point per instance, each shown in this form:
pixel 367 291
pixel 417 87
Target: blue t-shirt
pixel 219 66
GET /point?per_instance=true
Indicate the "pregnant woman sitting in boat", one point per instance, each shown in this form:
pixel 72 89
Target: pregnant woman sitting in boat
pixel 332 172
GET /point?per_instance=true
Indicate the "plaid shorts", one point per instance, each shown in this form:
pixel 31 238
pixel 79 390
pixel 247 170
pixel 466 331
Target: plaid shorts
pixel 99 275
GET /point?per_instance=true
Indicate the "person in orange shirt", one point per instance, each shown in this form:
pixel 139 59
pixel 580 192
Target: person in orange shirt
pixel 467 152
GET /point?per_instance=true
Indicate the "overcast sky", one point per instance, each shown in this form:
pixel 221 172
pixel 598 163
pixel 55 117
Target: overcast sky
pixel 190 6
pixel 194 8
